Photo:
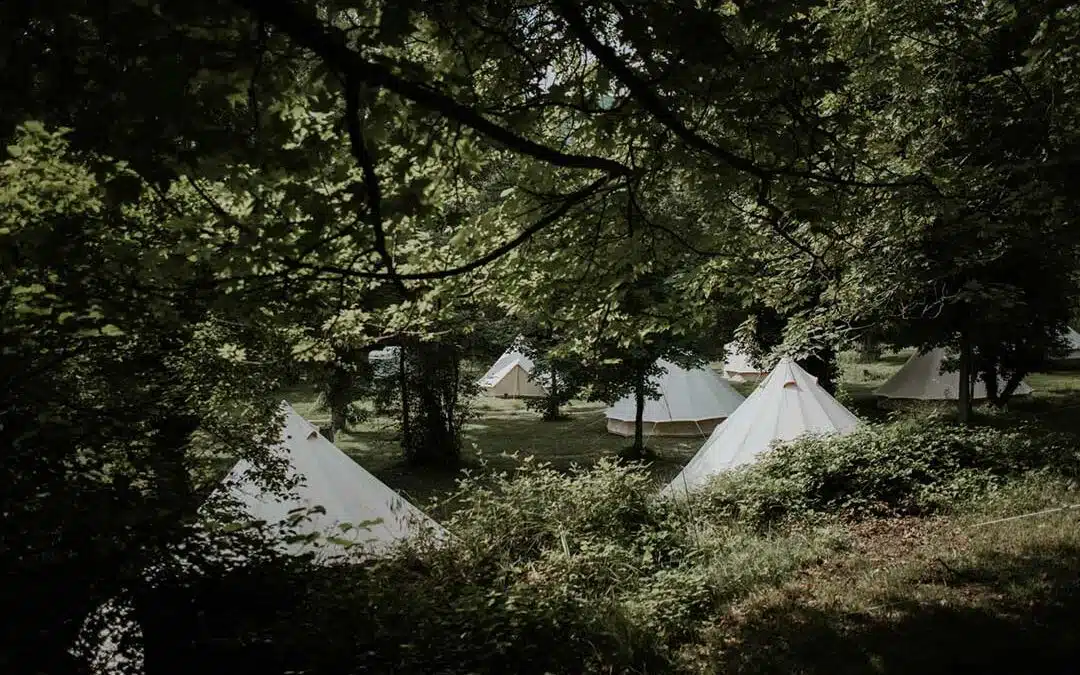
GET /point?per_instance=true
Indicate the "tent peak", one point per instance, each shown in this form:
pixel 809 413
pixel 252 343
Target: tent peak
pixel 787 404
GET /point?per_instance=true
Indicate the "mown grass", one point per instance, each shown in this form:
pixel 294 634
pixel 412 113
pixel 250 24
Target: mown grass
pixel 505 432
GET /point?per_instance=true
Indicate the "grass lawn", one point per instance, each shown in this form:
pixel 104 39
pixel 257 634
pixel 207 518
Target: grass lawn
pixel 922 595
pixel 504 431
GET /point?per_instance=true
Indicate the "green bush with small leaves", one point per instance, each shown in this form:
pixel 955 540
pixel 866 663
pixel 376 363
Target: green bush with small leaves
pixel 913 466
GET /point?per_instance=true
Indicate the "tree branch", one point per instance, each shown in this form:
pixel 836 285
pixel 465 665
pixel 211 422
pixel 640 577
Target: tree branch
pixel 371 179
pixel 579 26
pixel 569 202
pixel 642 92
pixel 329 44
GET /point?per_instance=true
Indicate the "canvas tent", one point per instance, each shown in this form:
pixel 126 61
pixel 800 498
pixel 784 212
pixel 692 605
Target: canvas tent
pixel 737 366
pixel 327 478
pixel 330 479
pixel 921 379
pixel 691 403
pixel 1072 339
pixel 511 377
pixel 787 404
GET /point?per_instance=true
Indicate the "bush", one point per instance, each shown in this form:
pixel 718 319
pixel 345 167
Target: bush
pixel 913 466
pixel 547 573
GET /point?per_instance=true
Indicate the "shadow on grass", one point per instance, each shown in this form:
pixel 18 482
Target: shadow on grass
pixel 500 440
pixel 997 613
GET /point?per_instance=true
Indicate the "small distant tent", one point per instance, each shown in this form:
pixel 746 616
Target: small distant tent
pixel 737 366
pixel 787 404
pixel 691 403
pixel 511 377
pixel 1072 339
pixel 328 478
pixel 921 379
pixel 385 361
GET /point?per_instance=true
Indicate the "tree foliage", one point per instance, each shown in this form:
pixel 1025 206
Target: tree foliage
pixel 197 196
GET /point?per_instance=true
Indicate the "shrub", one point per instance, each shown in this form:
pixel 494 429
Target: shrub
pixel 547 573
pixel 912 466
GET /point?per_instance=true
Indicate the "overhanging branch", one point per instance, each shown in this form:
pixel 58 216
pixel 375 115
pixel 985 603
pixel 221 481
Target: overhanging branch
pixel 568 203
pixel 329 43
pixel 371 180
pixel 651 102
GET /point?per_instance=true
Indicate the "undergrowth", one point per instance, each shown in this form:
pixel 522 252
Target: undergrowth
pixel 907 467
pixel 590 572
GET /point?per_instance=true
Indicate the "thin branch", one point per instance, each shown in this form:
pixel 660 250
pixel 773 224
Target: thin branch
pixel 776 221
pixel 329 43
pixel 569 202
pixel 579 26
pixel 371 179
pixel 639 89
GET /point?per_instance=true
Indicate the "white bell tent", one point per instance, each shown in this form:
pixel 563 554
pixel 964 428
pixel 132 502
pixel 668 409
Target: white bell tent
pixel 737 366
pixel 328 478
pixel 1072 339
pixel 787 404
pixel 386 361
pixel 691 403
pixel 511 377
pixel 921 379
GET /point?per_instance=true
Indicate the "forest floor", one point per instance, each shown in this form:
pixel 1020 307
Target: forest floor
pixel 963 593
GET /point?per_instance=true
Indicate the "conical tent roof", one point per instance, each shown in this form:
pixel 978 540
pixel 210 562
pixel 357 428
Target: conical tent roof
pixel 737 364
pixel 1072 338
pixel 348 493
pixel 685 396
pixel 330 479
pixel 511 375
pixel 787 404
pixel 921 379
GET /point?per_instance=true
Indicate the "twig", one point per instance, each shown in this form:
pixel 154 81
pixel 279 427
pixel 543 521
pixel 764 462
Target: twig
pixel 1028 515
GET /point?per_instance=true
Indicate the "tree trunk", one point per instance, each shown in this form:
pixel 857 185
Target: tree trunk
pixel 869 350
pixel 639 415
pixel 822 365
pixel 403 384
pixel 433 385
pixel 989 378
pixel 551 413
pixel 963 413
pixel 335 423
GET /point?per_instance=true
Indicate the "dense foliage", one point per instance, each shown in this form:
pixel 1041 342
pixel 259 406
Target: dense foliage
pixel 201 201
pixel 914 466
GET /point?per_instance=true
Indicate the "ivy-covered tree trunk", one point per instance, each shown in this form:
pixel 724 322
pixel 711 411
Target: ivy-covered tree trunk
pixel 639 414
pixel 403 385
pixel 869 349
pixel 430 401
pixel 551 411
pixel 337 399
pixel 963 413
